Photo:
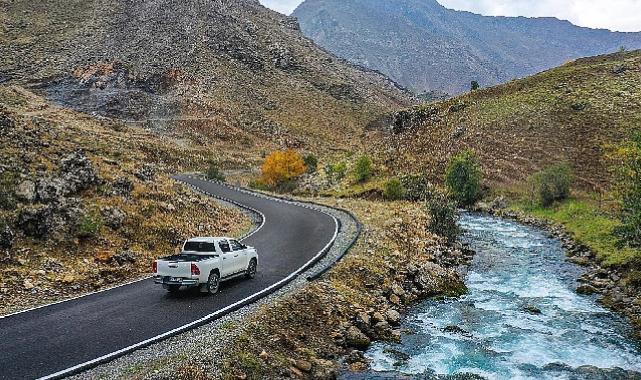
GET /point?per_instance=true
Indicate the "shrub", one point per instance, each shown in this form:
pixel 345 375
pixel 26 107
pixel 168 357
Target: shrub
pixel 551 184
pixel 630 194
pixel 444 216
pixel 463 178
pixel 363 169
pixel 311 161
pixel 475 85
pixel 336 171
pixel 214 172
pixel 394 190
pixel 417 188
pixel 281 168
pixel 7 191
pixel 90 224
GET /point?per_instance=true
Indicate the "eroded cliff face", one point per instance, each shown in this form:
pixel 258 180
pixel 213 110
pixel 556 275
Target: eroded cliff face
pixel 191 65
pixel 427 47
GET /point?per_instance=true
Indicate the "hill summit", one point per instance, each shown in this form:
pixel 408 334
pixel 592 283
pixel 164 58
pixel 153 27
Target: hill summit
pixel 427 47
pixel 208 66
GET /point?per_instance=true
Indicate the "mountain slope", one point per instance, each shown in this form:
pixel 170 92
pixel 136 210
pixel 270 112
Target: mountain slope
pixel 427 47
pixel 215 66
pixel 574 113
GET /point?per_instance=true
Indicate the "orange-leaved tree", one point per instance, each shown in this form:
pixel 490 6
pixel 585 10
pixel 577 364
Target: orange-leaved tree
pixel 281 167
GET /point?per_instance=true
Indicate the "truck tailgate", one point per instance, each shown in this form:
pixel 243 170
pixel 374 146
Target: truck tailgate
pixel 174 269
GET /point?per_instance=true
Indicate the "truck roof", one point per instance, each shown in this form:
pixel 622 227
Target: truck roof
pixel 208 239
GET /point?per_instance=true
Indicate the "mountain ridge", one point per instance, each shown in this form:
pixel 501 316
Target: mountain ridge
pixel 460 46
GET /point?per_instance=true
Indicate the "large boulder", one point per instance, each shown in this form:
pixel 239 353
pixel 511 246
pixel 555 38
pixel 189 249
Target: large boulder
pixel 26 191
pixel 50 190
pixel 35 221
pixel 354 337
pixel 113 217
pixel 78 172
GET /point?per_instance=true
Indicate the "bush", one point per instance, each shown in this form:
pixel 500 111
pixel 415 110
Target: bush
pixel 551 184
pixel 311 162
pixel 475 85
pixel 90 224
pixel 463 178
pixel 394 190
pixel 214 172
pixel 7 191
pixel 630 193
pixel 363 169
pixel 336 171
pixel 444 216
pixel 417 188
pixel 281 169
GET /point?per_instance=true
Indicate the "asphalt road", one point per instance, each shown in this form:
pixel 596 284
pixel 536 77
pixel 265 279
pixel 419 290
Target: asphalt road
pixel 40 342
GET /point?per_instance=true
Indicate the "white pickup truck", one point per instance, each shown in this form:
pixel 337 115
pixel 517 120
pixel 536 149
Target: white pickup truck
pixel 205 263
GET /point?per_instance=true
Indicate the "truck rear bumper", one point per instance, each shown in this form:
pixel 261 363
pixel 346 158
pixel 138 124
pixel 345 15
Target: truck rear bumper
pixel 166 280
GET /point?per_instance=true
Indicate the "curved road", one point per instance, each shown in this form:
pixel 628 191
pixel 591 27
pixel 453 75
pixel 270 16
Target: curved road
pixel 47 340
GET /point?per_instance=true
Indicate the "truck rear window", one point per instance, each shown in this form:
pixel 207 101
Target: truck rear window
pixel 193 246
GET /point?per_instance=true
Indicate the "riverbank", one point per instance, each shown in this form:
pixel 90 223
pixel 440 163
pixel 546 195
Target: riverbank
pixel 613 280
pixel 520 318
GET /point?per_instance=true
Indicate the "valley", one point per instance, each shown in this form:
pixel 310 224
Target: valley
pixel 103 104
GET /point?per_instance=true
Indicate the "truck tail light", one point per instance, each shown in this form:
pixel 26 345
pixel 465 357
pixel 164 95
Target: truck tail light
pixel 154 266
pixel 195 271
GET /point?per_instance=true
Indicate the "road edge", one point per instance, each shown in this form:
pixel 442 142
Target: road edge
pixel 242 303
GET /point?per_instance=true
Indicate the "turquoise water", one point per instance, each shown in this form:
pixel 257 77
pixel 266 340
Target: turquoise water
pixel 521 319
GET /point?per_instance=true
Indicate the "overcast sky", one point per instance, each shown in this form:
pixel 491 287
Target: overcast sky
pixel 620 15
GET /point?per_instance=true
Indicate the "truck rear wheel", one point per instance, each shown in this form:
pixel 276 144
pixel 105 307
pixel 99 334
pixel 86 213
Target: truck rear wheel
pixel 213 283
pixel 251 269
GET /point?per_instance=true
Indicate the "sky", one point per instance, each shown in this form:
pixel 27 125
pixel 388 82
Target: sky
pixel 619 15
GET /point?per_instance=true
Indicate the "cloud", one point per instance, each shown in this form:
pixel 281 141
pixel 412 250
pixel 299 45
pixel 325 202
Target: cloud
pixel 282 6
pixel 619 15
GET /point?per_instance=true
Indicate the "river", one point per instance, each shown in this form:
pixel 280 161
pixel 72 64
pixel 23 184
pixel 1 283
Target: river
pixel 521 319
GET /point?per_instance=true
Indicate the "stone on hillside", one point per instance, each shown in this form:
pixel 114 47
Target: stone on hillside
pixel 355 338
pixel 78 172
pixel 303 365
pixel 393 317
pixel 125 257
pixel 50 190
pixel 147 173
pixel 113 217
pixel 26 191
pixel 35 221
pixel 363 320
pixel 123 186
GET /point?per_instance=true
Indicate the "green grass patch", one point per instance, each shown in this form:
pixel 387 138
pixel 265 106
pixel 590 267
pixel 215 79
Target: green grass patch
pixel 588 224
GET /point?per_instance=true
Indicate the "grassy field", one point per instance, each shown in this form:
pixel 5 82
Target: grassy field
pixel 589 224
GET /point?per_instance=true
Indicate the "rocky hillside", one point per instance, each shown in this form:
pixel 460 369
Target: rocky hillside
pixel 428 48
pixel 573 113
pixel 211 67
pixel 86 203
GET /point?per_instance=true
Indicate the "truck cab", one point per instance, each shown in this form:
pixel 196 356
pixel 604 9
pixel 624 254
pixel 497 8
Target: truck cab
pixel 205 262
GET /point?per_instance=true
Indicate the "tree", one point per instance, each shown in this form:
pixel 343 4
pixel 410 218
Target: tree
pixel 475 85
pixel 363 169
pixel 281 168
pixel 311 161
pixel 629 174
pixel 463 178
pixel 443 217
pixel 394 190
pixel 214 172
pixel 551 184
